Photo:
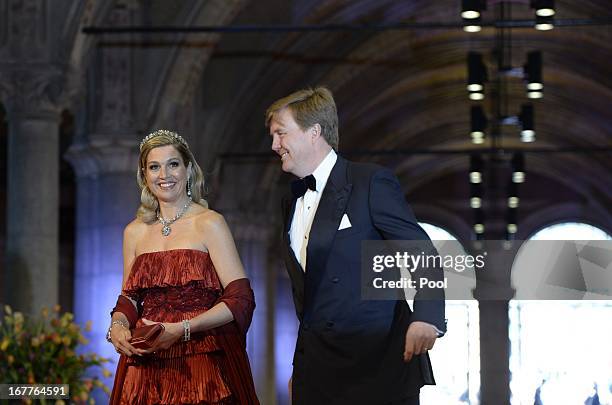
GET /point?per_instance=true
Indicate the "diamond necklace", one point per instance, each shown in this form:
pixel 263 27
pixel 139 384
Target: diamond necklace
pixel 167 222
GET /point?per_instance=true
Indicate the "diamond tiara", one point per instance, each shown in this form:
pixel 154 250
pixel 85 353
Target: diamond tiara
pixel 163 132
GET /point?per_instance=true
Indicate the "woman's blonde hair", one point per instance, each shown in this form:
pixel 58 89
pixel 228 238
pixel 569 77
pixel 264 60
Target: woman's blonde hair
pixel 147 212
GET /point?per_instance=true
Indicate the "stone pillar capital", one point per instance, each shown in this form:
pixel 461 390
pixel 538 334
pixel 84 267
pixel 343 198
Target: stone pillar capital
pixel 99 158
pixel 33 91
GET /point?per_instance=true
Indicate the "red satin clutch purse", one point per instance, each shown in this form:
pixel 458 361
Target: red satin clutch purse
pixel 146 336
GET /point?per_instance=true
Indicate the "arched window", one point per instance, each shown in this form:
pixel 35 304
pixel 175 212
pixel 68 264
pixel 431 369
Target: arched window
pixel 436 233
pixel 560 350
pixel 571 231
pixel 456 356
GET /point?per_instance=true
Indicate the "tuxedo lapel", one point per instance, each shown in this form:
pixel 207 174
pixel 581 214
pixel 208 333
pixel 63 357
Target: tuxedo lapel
pixel 288 209
pixel 296 274
pixel 325 224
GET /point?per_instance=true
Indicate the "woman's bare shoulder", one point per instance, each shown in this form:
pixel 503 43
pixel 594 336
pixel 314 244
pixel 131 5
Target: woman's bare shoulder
pixel 209 220
pixel 134 229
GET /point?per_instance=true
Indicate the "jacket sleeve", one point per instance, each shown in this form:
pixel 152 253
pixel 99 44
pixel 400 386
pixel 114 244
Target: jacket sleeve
pixel 394 220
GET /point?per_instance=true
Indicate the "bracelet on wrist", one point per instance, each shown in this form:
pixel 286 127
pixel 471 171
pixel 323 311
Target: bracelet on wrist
pixel 186 330
pixel 113 323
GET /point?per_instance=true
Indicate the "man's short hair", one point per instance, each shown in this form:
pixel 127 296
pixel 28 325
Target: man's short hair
pixel 310 107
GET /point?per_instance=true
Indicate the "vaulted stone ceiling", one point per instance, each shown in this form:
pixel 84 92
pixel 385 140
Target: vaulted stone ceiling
pixel 395 89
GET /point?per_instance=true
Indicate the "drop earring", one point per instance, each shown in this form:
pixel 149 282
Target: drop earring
pixel 189 187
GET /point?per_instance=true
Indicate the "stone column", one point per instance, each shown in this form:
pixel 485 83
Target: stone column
pixel 494 352
pixel 32 89
pixel 32 254
pixel 493 292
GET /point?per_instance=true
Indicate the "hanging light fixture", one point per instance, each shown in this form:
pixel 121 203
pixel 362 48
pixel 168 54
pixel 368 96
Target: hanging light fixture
pixel 479 226
pixel 478 123
pixel 511 223
pixel 477 76
pixel 475 169
pixel 532 72
pixel 543 8
pixel 544 23
pixel 470 9
pixel 476 195
pixel 471 13
pixel 527 123
pixel 513 198
pixel 518 168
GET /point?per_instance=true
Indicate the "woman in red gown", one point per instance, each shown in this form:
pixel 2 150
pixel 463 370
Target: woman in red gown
pixel 182 271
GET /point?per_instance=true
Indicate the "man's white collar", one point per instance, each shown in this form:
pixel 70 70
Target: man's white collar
pixel 322 172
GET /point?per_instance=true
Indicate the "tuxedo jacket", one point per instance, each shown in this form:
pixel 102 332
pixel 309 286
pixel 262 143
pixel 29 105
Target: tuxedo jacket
pixel 349 350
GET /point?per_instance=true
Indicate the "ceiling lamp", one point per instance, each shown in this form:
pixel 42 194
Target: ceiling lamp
pixel 476 195
pixel 470 9
pixel 532 72
pixel 543 8
pixel 527 123
pixel 518 168
pixel 544 23
pixel 479 227
pixel 511 224
pixel 477 76
pixel 470 13
pixel 477 125
pixel 475 169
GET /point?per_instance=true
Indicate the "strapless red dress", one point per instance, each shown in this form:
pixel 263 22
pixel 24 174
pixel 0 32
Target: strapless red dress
pixel 211 368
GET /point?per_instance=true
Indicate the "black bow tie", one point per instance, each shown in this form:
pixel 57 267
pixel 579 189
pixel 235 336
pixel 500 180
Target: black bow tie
pixel 300 186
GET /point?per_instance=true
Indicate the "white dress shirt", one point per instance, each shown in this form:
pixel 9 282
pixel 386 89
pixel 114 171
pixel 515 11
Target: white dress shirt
pixel 305 208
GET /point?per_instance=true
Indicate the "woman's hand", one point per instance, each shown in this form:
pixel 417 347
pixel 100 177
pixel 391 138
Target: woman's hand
pixel 171 333
pixel 120 337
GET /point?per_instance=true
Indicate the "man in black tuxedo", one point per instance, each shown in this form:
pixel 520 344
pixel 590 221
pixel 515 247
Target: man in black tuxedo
pixel 349 351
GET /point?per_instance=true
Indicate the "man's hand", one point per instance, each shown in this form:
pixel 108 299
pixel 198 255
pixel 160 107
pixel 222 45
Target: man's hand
pixel 420 337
